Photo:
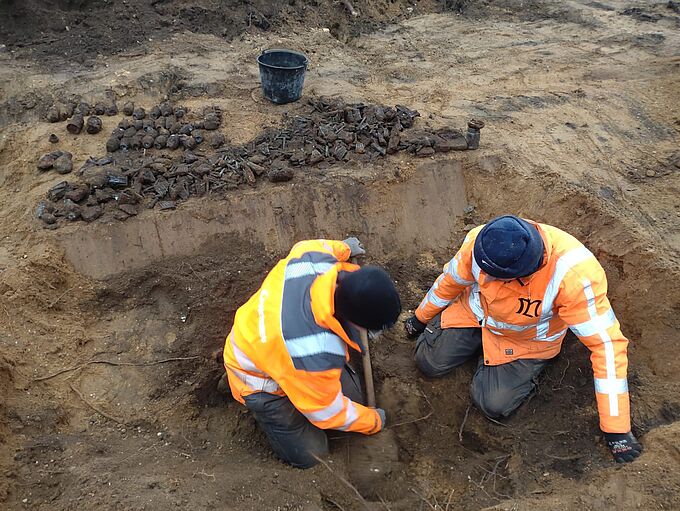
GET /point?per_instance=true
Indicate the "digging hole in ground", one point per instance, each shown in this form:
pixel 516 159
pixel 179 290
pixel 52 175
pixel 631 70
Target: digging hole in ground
pixel 168 285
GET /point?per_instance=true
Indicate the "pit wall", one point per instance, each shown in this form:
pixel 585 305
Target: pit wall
pixel 407 213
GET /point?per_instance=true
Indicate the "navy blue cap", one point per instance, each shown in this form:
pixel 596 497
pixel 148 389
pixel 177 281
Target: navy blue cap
pixel 368 298
pixel 508 247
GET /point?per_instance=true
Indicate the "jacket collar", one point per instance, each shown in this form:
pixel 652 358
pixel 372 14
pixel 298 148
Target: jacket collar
pixel 322 293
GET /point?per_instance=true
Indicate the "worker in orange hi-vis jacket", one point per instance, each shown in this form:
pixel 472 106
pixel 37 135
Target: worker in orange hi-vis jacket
pixel 511 292
pixel 287 355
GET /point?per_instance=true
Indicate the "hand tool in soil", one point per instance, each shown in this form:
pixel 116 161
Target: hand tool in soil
pixel 371 458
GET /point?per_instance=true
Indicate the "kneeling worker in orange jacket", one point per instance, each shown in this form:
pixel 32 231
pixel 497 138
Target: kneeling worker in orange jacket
pixel 511 292
pixel 287 354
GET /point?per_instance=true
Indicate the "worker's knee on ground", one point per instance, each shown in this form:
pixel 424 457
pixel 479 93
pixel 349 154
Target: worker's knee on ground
pixel 423 359
pixel 306 456
pixel 495 403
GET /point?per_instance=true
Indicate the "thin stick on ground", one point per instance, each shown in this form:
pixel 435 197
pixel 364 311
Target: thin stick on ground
pixel 411 421
pixel 343 481
pixel 462 424
pixel 448 501
pixel 434 508
pixel 56 300
pixel 96 409
pixel 112 363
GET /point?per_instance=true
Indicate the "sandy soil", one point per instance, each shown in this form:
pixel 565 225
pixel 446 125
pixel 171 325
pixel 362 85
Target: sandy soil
pixel 582 120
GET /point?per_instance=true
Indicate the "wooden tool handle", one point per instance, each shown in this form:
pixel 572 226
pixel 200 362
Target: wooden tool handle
pixel 368 370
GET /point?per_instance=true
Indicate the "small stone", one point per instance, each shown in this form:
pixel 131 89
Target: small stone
pixel 94 177
pixel 180 112
pixel 190 158
pixel 49 218
pixel 186 129
pixel 166 109
pixel 155 112
pixel 217 140
pixel 360 148
pixel 211 122
pixel 113 144
pixel 198 136
pixel 139 113
pixel 280 175
pixel 315 157
pixel 111 109
pixel 58 191
pixel 172 142
pixel 99 108
pixel 130 209
pixel 53 138
pixel 53 114
pixel 136 143
pixel 124 143
pixel 64 164
pixel 128 108
pixel 188 142
pixel 650 173
pixel 91 213
pixel 147 141
pixel 75 124
pixel 77 194
pixel 46 161
pixel 83 108
pixel 424 152
pixel 160 141
pixel 130 132
pixel 94 125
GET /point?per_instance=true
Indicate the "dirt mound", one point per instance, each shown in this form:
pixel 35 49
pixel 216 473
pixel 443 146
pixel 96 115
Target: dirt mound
pixel 63 33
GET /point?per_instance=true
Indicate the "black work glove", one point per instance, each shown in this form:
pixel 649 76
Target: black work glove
pixel 624 446
pixel 414 327
pixel 383 418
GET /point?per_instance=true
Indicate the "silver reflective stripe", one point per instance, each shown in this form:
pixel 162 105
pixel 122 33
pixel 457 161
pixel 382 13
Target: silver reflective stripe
pixel 329 412
pixel 264 294
pixel 563 265
pixel 616 386
pixel 306 269
pixel 435 300
pixel 476 270
pixel 452 269
pixel 255 382
pixel 243 360
pixel 609 356
pixel 351 416
pixel 508 326
pixel 551 338
pixel 475 304
pixel 495 332
pixel 593 326
pixel 322 342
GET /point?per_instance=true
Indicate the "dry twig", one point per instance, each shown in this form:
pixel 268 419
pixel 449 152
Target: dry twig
pixel 434 508
pixel 462 424
pixel 54 302
pixel 112 363
pixel 343 481
pixel 96 409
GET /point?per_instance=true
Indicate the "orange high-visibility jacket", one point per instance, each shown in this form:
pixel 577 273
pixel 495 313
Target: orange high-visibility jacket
pixel 286 340
pixel 528 317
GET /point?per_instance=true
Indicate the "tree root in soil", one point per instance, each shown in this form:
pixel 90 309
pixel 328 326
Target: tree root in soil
pixel 112 363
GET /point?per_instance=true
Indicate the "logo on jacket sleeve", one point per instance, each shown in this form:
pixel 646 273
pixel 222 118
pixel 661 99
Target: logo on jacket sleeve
pixel 528 307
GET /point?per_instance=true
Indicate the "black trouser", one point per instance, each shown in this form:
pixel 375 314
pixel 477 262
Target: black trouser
pixel 496 390
pixel 292 437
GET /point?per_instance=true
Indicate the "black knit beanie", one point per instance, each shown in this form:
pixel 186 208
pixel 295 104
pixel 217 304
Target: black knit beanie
pixel 367 297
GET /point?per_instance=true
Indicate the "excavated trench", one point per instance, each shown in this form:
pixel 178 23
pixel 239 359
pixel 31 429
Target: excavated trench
pixel 165 287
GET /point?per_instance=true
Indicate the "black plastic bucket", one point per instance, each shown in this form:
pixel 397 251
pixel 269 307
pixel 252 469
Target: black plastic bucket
pixel 282 73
